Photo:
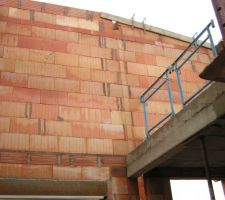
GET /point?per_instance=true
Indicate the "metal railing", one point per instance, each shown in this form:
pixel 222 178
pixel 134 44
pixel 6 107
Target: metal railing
pixel 165 79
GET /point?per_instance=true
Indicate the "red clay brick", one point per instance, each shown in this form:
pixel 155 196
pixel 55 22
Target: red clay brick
pixel 140 69
pixel 6 93
pixel 86 130
pixel 114 44
pixel 95 115
pixel 42 56
pixel 153 49
pixel 80 100
pixel 85 160
pixel 66 36
pixel 4 124
pixel 43 143
pixel 87 24
pixel 9 40
pixel 43 159
pixel 101 52
pixel 99 146
pixel 139 132
pixel 119 117
pixel 89 62
pixel 60 128
pixel 67 85
pixel 67 173
pixel 119 90
pixel 23 125
pixel 13 79
pixel 10 170
pixel 54 9
pixel 52 97
pixel 127 56
pixel 113 161
pixel 37 171
pixel 14 141
pixel 134 46
pixel 7 65
pixel 78 73
pixel 16 53
pixel 41 44
pixel 13 157
pixel 104 76
pixel 18 29
pixel 146 58
pixel 26 95
pixel 113 65
pixel 38 82
pixel 13 109
pixel 4 11
pixel 75 12
pixel 79 49
pixel 44 111
pixel 69 113
pixel 44 17
pixel 19 13
pixel 31 5
pixel 67 21
pixel 112 131
pixel 66 59
pixel 43 33
pixel 88 39
pixel 103 102
pixel 132 80
pixel 72 145
pixel 91 88
pixel 95 173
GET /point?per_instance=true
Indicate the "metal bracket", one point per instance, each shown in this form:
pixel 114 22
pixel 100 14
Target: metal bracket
pixel 132 18
pixel 144 24
pixel 195 43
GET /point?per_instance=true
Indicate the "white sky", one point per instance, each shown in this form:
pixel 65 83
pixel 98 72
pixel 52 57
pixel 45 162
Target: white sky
pixel 184 17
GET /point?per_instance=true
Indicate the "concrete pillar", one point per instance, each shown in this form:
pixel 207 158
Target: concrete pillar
pixel 219 7
pixel 158 188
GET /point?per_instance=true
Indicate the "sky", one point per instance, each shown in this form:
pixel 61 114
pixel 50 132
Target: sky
pixel 180 16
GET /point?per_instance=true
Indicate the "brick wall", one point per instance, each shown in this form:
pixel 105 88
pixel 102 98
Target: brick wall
pixel 69 92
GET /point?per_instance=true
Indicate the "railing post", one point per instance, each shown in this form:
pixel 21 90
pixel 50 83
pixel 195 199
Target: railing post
pixel 211 40
pixel 179 84
pixel 170 93
pixel 145 106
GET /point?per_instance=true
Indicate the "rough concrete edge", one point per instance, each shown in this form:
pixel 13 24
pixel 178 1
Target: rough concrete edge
pixel 150 28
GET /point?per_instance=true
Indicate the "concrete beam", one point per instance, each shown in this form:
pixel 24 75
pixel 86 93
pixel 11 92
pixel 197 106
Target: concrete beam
pixel 186 173
pixel 170 139
pixel 52 187
pixel 215 71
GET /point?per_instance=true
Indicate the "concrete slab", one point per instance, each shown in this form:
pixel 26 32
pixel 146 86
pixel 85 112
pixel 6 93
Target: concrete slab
pixel 208 109
pixel 216 70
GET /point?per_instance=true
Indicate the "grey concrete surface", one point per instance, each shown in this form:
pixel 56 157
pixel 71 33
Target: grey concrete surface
pixel 176 143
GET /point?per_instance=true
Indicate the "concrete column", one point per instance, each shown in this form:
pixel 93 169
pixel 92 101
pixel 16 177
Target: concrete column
pixel 219 7
pixel 158 188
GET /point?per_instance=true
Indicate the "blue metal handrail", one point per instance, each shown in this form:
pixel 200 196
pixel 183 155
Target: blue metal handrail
pixel 164 78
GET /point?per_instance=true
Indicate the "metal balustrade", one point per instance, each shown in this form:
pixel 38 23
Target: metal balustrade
pixel 165 78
